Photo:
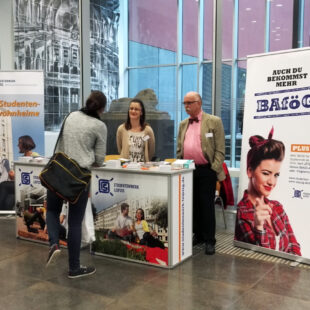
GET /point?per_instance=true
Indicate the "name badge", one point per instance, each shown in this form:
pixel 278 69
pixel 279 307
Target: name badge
pixel 209 135
pixel 145 138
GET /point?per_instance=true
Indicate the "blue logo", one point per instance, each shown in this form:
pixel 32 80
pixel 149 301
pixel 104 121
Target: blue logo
pixel 25 178
pixel 297 193
pixel 104 186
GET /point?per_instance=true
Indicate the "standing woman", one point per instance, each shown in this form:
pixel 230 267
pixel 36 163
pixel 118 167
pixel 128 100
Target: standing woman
pixel 135 138
pixel 261 221
pixel 83 139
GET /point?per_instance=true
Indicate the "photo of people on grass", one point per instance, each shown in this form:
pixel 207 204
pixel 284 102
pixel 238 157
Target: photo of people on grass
pixel 132 224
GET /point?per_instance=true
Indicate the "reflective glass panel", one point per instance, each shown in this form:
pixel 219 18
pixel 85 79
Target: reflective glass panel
pixel 207 87
pixel 239 106
pixel 306 37
pixel 152 32
pixel 251 27
pixel 189 83
pixel 157 86
pixel 208 29
pixel 227 28
pixel 281 24
pixel 190 31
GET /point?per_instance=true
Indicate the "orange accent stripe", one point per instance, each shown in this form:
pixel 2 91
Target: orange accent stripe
pixel 179 217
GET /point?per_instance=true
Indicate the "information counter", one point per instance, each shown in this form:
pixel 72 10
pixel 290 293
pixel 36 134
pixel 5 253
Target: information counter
pixel 166 200
pixel 163 238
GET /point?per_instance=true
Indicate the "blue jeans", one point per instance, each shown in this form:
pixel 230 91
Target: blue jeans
pixel 75 218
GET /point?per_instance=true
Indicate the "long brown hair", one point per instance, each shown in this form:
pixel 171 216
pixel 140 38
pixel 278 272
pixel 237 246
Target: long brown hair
pixel 142 117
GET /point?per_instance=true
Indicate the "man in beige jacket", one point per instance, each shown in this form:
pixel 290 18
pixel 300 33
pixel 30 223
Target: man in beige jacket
pixel 201 137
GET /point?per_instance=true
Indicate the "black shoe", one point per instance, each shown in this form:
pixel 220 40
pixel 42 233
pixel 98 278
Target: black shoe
pixel 52 254
pixel 81 272
pixel 210 249
pixel 197 239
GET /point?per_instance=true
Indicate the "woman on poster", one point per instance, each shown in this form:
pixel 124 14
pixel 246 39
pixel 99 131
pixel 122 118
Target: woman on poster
pixel 261 221
pixel 143 234
pixel 26 146
pixel 135 138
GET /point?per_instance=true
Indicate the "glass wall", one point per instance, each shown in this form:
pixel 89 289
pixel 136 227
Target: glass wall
pixel 152 57
pixel 170 52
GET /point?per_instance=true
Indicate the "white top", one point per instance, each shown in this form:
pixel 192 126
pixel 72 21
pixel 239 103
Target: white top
pixel 136 146
pixel 139 230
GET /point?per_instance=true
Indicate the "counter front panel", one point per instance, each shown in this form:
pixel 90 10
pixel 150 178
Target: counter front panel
pixel 160 239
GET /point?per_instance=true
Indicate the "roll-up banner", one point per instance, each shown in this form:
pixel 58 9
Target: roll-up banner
pixel 21 115
pixel 274 188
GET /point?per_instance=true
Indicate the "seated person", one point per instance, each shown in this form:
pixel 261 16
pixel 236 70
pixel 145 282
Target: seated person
pixel 123 226
pixel 143 234
pixel 7 188
pixel 26 146
pixel 37 216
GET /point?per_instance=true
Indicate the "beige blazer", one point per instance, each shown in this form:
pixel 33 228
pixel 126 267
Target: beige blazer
pixel 212 142
pixel 122 141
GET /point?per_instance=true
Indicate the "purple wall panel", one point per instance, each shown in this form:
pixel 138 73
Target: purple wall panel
pixel 307 24
pixel 251 27
pixel 208 29
pixel 281 25
pixel 227 28
pixel 190 28
pixel 154 23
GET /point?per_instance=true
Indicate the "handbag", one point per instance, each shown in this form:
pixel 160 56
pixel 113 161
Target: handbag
pixel 63 176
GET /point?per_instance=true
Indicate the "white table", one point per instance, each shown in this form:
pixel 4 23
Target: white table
pixel 171 190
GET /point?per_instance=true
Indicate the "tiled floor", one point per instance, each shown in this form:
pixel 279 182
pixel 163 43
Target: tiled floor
pixel 203 282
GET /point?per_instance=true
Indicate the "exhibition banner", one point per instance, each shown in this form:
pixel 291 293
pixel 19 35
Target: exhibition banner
pixel 131 215
pixel 31 207
pixel 31 204
pixel 274 186
pixel 22 120
pixel 22 101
